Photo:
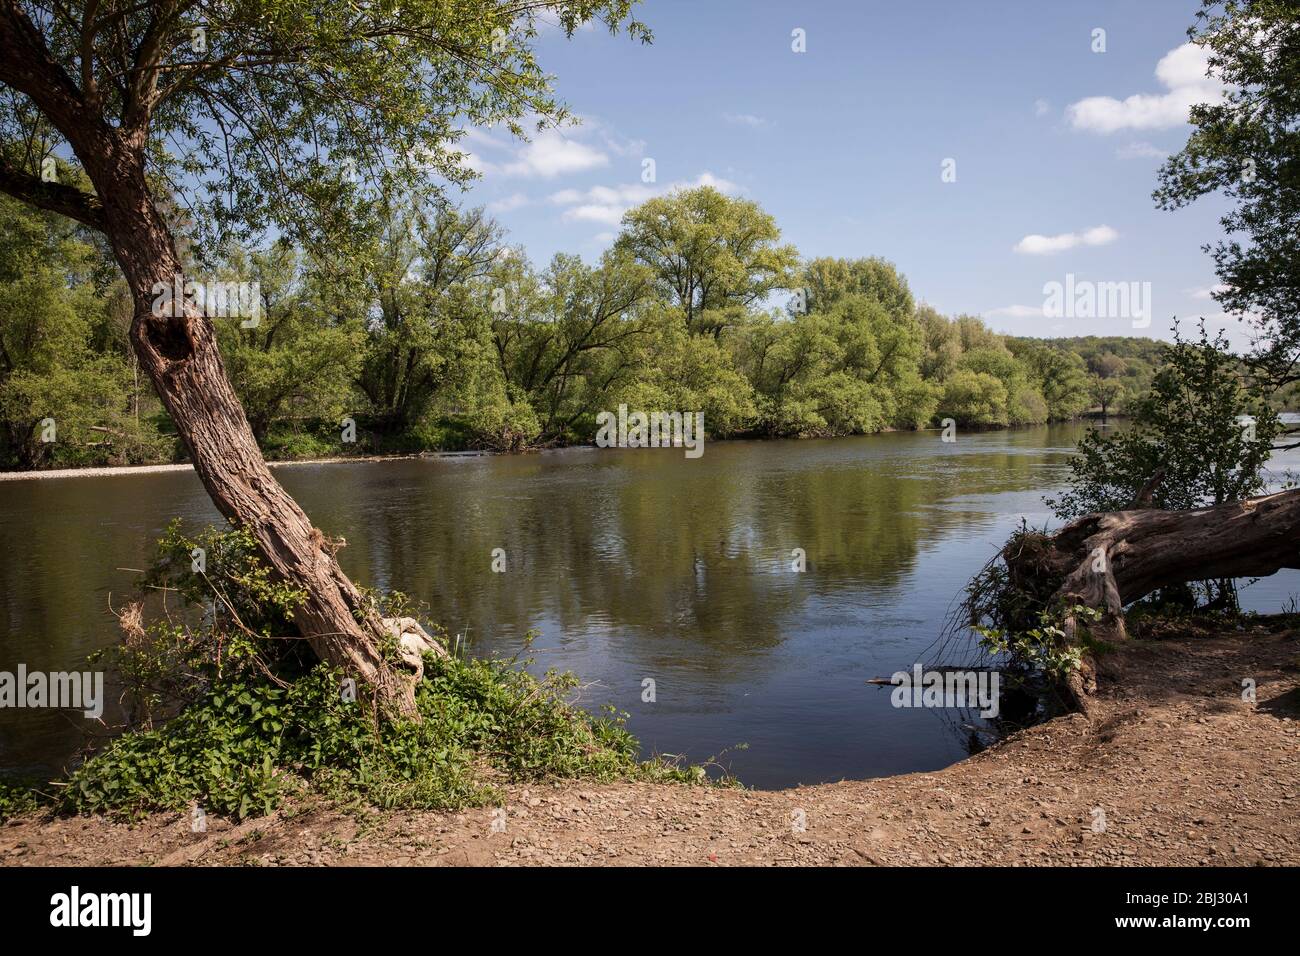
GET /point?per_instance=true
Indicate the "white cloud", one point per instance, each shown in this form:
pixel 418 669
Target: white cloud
pixel 1140 151
pixel 632 193
pixel 479 142
pixel 745 119
pixel 611 139
pixel 482 137
pixel 1041 107
pixel 1017 311
pixel 472 160
pixel 1182 71
pixel 1210 292
pixel 1185 66
pixel 1037 245
pixel 551 154
pixel 607 204
pixel 602 204
pixel 595 212
pixel 707 178
pixel 508 203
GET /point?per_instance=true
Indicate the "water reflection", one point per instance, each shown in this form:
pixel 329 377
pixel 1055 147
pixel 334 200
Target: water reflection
pixel 630 564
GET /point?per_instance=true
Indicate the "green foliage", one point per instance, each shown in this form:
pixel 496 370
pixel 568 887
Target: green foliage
pixel 339 132
pixel 504 426
pixel 430 288
pixel 296 365
pixel 569 339
pixel 1244 147
pixel 1060 377
pixel 300 114
pixel 688 372
pixel 445 337
pixel 17 799
pixel 320 441
pixel 712 256
pixel 985 379
pixel 1043 648
pixel 307 120
pixel 828 280
pixel 1018 623
pixel 1131 362
pixel 1204 425
pixel 54 312
pixel 230 714
pixel 1106 393
pixel 246 745
pixel 851 369
pixel 975 398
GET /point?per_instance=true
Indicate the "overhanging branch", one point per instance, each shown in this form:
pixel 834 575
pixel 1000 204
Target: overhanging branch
pixel 55 197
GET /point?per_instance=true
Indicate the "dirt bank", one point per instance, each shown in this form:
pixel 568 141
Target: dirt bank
pixel 1184 771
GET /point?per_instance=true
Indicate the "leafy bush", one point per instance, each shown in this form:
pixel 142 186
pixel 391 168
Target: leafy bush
pixel 974 398
pixel 245 745
pixel 1203 435
pixel 283 444
pixel 1041 649
pixel 1208 429
pixel 505 426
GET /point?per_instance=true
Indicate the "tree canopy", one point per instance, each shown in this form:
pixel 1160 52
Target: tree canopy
pixel 450 337
pixel 1248 148
pixel 297 115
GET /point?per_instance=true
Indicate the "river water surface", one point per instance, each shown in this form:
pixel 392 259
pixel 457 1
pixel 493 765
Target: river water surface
pixel 629 564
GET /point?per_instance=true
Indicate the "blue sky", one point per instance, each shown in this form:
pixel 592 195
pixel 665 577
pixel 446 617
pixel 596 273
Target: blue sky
pixel 844 143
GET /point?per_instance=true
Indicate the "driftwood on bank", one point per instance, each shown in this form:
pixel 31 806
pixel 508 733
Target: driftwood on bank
pixel 1108 560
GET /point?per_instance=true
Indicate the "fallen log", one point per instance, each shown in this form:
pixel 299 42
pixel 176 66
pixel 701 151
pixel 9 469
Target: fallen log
pixel 1108 560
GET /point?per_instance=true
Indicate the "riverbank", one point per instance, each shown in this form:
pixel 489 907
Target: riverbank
pixel 110 470
pixel 1171 767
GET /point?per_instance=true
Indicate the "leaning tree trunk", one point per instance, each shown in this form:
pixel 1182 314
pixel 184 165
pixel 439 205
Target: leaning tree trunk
pixel 179 354
pixel 1106 561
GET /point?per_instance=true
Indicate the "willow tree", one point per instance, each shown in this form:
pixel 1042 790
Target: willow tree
pixel 206 120
pixel 713 255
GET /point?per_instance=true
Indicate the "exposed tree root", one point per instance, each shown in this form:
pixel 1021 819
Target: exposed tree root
pixel 1107 561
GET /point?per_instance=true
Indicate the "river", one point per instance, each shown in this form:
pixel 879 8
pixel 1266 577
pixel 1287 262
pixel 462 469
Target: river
pixel 629 564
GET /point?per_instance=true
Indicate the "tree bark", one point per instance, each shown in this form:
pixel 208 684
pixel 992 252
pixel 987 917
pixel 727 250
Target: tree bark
pixel 1106 561
pixel 180 356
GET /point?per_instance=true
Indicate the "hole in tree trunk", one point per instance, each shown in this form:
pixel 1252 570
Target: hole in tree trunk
pixel 171 339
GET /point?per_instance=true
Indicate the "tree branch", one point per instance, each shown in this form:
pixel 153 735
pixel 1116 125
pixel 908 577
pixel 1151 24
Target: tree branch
pixel 55 197
pixel 88 88
pixel 26 66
